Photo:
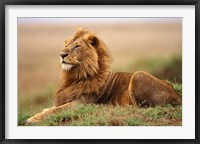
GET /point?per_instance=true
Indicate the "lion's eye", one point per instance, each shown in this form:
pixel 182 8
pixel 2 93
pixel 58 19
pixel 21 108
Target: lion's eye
pixel 77 46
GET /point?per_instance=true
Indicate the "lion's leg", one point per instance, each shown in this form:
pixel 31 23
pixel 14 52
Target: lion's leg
pixel 149 90
pixel 48 112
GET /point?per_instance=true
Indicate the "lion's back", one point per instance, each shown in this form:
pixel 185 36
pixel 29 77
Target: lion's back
pixel 117 89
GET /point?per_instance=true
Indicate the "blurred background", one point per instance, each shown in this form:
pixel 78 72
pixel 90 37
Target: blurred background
pixel 150 44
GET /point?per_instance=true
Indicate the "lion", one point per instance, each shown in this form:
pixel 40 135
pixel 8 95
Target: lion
pixel 86 78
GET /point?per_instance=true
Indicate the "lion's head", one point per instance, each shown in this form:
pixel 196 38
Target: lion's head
pixel 84 54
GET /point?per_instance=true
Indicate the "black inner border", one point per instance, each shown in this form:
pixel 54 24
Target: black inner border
pixel 99 2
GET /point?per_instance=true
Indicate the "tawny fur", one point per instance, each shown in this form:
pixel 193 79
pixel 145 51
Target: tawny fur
pixel 90 79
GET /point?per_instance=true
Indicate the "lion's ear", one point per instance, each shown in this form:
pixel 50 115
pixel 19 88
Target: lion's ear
pixel 66 42
pixel 93 40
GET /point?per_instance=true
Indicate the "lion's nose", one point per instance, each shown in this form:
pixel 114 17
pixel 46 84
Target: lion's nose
pixel 63 55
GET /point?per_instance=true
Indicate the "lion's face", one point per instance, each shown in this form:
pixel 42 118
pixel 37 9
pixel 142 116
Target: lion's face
pixel 84 54
pixel 72 54
pixel 78 52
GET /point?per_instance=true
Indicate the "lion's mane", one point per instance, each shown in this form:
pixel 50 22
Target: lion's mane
pixel 88 78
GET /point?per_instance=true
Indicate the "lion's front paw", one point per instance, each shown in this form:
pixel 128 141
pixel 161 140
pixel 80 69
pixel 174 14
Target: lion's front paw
pixel 33 120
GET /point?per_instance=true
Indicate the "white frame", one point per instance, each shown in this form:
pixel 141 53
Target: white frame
pixel 187 131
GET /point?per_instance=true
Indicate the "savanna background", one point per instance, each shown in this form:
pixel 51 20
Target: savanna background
pixel 150 44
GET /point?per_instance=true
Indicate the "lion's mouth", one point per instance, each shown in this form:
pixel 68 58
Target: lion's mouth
pixel 63 62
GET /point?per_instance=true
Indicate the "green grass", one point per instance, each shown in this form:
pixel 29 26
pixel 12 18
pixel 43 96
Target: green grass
pixel 178 88
pixel 108 115
pixel 22 117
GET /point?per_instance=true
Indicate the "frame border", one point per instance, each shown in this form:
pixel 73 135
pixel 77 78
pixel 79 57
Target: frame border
pixel 99 2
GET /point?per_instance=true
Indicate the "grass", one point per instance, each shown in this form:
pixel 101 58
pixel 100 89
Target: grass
pixel 108 115
pixel 36 100
pixel 178 88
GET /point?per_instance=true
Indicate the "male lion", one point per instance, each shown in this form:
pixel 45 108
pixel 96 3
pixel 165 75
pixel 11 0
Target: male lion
pixel 86 78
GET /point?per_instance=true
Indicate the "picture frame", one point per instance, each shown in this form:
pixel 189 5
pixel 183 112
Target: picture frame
pixel 3 73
